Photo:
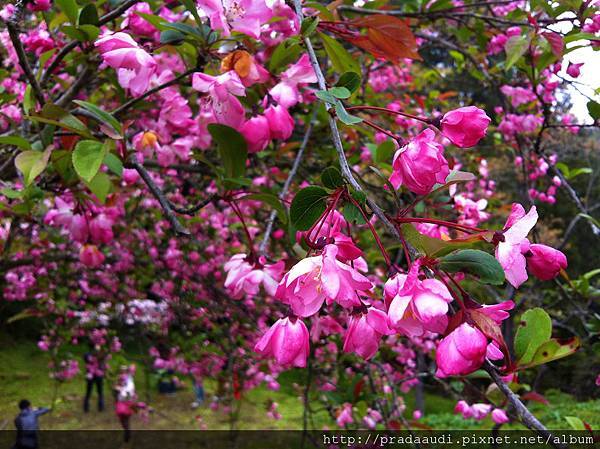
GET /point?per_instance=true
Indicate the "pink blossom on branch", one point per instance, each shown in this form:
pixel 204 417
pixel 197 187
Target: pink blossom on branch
pixel 287 342
pixel 134 66
pixel 222 91
pixel 244 16
pixel 465 126
pixel 420 164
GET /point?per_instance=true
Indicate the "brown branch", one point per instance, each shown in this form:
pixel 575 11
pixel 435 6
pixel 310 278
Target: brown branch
pixel 12 25
pixel 125 106
pixel 77 85
pixel 525 416
pixel 160 197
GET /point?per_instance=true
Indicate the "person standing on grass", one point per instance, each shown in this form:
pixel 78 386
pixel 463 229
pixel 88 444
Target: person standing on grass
pixel 126 405
pixel 27 425
pixel 95 367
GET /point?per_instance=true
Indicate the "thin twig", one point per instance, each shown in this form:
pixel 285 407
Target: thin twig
pixel 125 106
pixel 265 241
pixel 158 194
pixel 77 85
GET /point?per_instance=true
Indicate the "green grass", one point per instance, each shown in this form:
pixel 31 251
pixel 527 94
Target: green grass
pixel 24 374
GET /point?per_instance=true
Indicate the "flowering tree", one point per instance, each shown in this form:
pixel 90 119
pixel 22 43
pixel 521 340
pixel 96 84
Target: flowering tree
pixel 242 187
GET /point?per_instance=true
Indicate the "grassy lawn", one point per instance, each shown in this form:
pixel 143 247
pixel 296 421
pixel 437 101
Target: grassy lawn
pixel 24 374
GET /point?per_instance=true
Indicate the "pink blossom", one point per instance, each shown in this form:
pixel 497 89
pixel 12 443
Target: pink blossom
pixel 286 92
pixel 39 5
pixel 315 279
pixel 90 256
pixel 420 164
pixel 101 229
pixel 79 228
pixel 417 306
pixel 245 278
pixel 545 262
pixel 280 122
pixel 287 342
pixel 574 70
pixel 465 126
pixel 510 252
pixel 137 23
pixel 244 16
pixel 135 67
pixel 499 416
pixel 345 416
pixel 222 91
pixel 365 331
pixel 461 352
pixel 257 133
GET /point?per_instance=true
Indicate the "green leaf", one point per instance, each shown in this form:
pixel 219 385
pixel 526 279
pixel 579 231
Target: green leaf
pixel 185 29
pixel 88 15
pixel 341 60
pixel 153 20
pixel 11 193
pixel 309 25
pixel 593 108
pixel 87 158
pixel 100 186
pixel 233 149
pixel 307 206
pixel 515 47
pixel 171 37
pixel 332 178
pixel 28 100
pixel 553 349
pixel 326 96
pixel 384 152
pixel 535 328
pixel 70 8
pixel 32 163
pixel 101 115
pixel 479 263
pixel 343 115
pixel 272 201
pixel 75 33
pixel 352 214
pixel 579 171
pixel 349 80
pixel 114 164
pixel 285 53
pixel 55 115
pixel 16 141
pixel 340 92
pixel 575 423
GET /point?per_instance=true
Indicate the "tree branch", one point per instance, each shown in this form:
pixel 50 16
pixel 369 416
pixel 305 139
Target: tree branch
pixel 158 194
pixel 525 416
pixel 12 25
pixel 335 133
pixel 125 106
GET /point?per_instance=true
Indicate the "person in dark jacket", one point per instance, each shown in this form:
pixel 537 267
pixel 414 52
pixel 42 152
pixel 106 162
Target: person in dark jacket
pixel 27 425
pixel 95 368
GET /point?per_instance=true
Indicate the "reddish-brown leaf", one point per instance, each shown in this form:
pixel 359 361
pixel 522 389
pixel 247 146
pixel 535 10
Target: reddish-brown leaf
pixel 536 397
pixel 556 43
pixel 358 388
pixel 492 330
pixel 387 37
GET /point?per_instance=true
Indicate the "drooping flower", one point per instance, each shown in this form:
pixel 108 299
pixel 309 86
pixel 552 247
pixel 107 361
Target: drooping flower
pixel 245 278
pixel 244 16
pixel 101 229
pixel 461 352
pixel 510 252
pixel 417 306
pixel 281 123
pixel 287 342
pixel 257 133
pixel 365 331
pixel 286 92
pixel 90 256
pixel 465 126
pixel 499 416
pixel 420 164
pixel 545 262
pixel 345 415
pixel 315 279
pixel 223 91
pixel 134 66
